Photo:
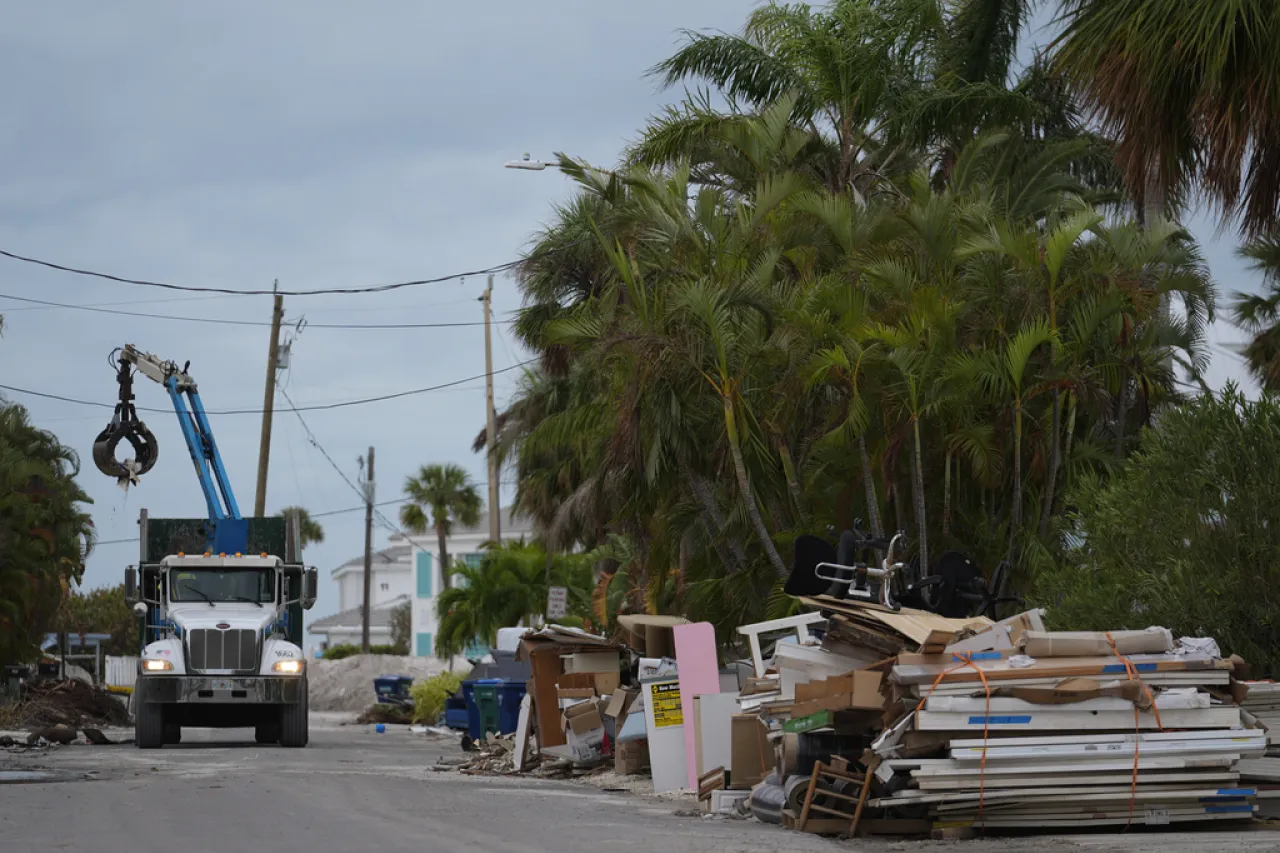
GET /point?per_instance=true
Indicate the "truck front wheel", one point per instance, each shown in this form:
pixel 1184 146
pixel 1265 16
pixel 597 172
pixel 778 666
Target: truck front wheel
pixel 148 726
pixel 268 732
pixel 293 721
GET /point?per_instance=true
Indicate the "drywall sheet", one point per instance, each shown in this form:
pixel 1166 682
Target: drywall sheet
pixel 664 719
pixel 699 674
pixel 714 725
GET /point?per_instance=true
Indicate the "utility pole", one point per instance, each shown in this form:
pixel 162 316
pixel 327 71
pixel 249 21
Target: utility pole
pixel 495 508
pixel 368 552
pixel 268 404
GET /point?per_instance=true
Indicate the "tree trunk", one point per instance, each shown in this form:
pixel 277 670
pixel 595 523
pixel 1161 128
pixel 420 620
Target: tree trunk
pixel 445 580
pixel 869 483
pixel 744 484
pixel 793 485
pixel 1122 418
pixel 946 496
pixel 735 559
pixel 1055 460
pixel 1071 435
pixel 1015 514
pixel 917 488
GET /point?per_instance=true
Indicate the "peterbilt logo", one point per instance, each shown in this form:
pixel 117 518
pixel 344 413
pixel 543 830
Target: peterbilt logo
pixel 222 626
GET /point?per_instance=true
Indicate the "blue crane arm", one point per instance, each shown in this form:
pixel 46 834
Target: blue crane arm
pixel 227 531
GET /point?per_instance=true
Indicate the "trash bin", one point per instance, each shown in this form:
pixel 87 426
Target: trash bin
pixel 392 689
pixel 493 705
pixel 455 713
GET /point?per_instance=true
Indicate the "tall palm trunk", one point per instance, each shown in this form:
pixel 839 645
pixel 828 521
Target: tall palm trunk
pixel 869 484
pixel 744 484
pixel 445 581
pixel 917 488
pixel 1071 435
pixel 1015 515
pixel 946 495
pixel 793 485
pixel 730 550
pixel 1122 417
pixel 1055 460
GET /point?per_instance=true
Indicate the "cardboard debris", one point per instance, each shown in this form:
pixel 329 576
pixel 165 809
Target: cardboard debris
pixel 1073 644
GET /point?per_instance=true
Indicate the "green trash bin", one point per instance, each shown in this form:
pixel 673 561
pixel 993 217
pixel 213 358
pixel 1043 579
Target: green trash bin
pixel 488 709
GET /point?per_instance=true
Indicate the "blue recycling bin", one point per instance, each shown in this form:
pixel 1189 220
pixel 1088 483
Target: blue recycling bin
pixel 492 702
pixel 456 715
pixel 392 689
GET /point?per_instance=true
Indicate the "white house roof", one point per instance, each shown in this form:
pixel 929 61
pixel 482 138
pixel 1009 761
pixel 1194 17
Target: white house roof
pixel 508 521
pixel 379 617
pixel 398 551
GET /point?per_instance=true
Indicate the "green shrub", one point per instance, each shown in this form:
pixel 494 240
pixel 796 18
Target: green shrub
pixel 346 650
pixel 429 696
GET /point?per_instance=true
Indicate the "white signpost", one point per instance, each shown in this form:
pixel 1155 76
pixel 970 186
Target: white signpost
pixel 557 602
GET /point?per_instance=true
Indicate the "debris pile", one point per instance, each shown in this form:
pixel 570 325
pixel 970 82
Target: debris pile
pixel 1069 730
pixel 861 717
pixel 49 702
pixel 343 685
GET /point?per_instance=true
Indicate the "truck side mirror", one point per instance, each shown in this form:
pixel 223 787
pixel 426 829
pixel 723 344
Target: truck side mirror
pixel 131 596
pixel 310 585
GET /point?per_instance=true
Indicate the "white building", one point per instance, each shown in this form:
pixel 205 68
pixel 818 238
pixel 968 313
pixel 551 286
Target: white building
pixel 464 545
pixel 391 583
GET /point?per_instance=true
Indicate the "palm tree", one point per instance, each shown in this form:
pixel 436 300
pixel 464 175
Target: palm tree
pixel 439 496
pixel 1188 90
pixel 309 530
pixel 1259 314
pixel 508 588
pixel 45 536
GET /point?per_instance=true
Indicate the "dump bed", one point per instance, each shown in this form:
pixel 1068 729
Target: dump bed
pixel 162 537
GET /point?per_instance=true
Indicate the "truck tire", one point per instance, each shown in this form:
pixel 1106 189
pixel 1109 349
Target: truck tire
pixel 268 732
pixel 293 722
pixel 172 733
pixel 148 726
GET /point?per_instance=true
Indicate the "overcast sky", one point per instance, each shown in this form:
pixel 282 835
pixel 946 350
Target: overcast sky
pixel 229 144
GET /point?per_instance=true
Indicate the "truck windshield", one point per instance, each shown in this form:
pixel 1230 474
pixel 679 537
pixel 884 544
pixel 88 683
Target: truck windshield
pixel 217 585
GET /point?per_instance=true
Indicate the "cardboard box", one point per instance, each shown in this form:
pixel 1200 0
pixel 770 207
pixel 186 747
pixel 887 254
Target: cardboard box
pixel 620 702
pixel 631 757
pixel 570 696
pixel 752 755
pixel 606 682
pixel 583 730
pixel 857 690
pixel 590 662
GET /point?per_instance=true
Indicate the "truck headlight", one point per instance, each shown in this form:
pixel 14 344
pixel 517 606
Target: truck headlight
pixel 288 667
pixel 157 665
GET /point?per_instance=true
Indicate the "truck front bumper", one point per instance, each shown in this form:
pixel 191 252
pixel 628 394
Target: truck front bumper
pixel 248 690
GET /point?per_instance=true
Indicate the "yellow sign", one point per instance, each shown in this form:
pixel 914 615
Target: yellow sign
pixel 665 697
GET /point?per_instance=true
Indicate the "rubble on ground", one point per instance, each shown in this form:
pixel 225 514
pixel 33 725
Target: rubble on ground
pixel 343 685
pixel 45 703
pixel 399 715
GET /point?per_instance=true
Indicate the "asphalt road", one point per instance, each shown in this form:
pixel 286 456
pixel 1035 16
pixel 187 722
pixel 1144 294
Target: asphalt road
pixel 352 790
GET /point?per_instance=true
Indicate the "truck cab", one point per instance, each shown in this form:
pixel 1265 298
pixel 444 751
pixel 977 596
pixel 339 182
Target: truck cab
pixel 218 648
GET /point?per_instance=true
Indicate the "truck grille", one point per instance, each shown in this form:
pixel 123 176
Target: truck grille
pixel 235 650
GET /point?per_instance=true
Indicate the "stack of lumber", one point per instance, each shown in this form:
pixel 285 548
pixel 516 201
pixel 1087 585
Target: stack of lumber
pixel 1262 700
pixel 1094 730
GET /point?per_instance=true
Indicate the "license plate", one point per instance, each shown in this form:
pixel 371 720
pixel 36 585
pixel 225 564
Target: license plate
pixel 221 684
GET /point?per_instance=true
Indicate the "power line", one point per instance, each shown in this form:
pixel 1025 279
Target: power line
pixel 377 288
pixel 331 512
pixel 313 408
pixel 222 322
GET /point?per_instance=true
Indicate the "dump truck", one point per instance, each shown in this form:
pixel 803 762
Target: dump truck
pixel 219 599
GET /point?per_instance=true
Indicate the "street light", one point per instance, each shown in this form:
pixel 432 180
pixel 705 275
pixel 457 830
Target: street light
pixel 530 165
